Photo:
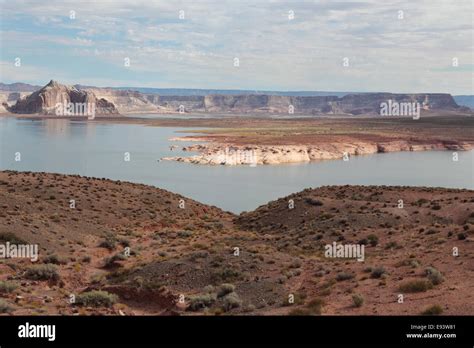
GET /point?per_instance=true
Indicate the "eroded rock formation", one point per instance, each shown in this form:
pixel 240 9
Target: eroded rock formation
pixel 45 100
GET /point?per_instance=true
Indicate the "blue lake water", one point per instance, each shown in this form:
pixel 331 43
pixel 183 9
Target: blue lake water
pixel 97 149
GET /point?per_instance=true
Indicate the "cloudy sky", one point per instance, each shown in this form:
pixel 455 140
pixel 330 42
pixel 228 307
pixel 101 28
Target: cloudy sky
pixel 394 46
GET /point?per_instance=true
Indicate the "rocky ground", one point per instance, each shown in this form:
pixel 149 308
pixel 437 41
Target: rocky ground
pixel 130 249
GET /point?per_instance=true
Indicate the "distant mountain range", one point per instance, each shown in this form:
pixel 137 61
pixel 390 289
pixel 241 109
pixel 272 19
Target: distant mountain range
pixel 204 92
pixel 465 100
pixel 169 100
pixel 18 87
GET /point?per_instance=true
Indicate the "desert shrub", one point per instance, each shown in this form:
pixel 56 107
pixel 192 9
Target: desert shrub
pixel 124 242
pixel 108 243
pixel 358 300
pixel 312 201
pixel 231 300
pixel 392 245
pixel 218 225
pixel 11 237
pixel 421 201
pixel 434 275
pixel 415 286
pixel 96 298
pixel 373 239
pixel 7 287
pixel 315 306
pixel 86 259
pixel 55 259
pixel 462 236
pixel 344 276
pixel 200 254
pixel 185 234
pixel 433 310
pixel 299 311
pixel 227 273
pixel 42 272
pixel 225 289
pixel 202 301
pixel 112 261
pixel 408 262
pixel 326 216
pixel 249 308
pixel 4 307
pixel 208 289
pixel 377 272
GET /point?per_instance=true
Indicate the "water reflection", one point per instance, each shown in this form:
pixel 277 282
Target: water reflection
pixel 96 149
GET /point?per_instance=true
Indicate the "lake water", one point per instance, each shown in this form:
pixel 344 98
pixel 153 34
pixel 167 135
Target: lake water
pixel 97 149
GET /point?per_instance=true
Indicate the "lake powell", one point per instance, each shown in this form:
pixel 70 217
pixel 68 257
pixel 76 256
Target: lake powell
pixel 97 149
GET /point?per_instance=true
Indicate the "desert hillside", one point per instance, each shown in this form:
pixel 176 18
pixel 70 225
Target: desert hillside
pixel 130 249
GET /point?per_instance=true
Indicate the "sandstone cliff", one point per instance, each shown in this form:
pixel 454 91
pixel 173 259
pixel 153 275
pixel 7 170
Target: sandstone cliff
pixel 44 101
pixel 226 154
pixel 130 101
pixel 8 98
pixel 125 101
pixel 351 104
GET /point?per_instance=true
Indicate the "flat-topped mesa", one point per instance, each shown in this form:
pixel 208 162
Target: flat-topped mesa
pixel 46 100
pixel 351 104
pixel 371 102
pixel 129 101
pixel 111 101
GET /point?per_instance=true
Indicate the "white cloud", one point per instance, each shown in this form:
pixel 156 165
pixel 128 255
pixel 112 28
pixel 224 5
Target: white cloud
pixel 24 73
pixel 385 52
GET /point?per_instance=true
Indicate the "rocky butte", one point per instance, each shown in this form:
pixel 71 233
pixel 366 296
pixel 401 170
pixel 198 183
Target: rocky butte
pixel 46 100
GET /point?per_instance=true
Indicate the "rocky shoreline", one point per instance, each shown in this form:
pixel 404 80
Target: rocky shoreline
pixel 231 154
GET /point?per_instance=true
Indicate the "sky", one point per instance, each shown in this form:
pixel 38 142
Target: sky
pixel 410 46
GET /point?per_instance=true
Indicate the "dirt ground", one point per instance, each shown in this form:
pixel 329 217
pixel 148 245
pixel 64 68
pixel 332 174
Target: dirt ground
pixel 155 252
